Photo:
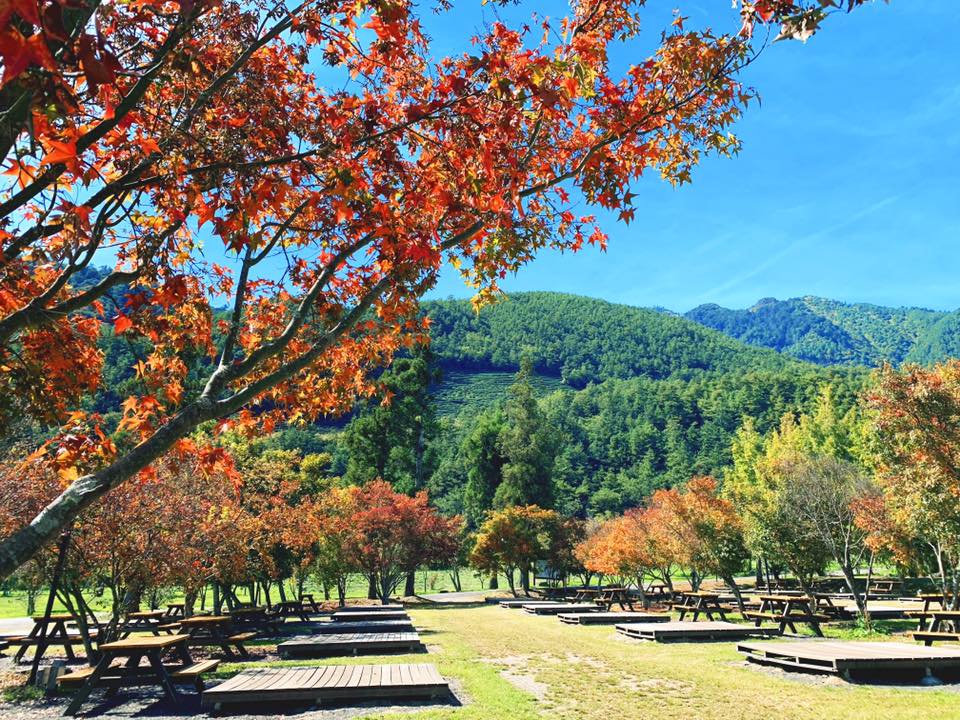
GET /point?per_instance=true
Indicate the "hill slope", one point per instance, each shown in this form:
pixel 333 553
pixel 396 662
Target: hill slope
pixel 583 340
pixel 830 332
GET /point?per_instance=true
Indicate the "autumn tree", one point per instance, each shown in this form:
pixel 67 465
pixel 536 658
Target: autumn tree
pixel 516 538
pixel 708 532
pixel 159 136
pixel 916 416
pixel 394 534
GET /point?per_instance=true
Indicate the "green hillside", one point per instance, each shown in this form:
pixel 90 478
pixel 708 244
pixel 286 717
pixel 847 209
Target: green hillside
pixel 829 332
pixel 582 340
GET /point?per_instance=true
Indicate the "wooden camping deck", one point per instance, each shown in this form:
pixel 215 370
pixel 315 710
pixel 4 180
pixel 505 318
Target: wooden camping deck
pixel 840 657
pixel 557 608
pixel 367 626
pixel 350 644
pixel 691 630
pixel 360 616
pixel 519 603
pixel 611 618
pixel 371 608
pixel 328 683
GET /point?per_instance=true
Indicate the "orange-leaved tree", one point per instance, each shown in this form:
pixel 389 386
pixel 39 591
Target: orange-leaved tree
pixel 394 534
pixel 917 454
pixel 518 537
pixel 706 531
pixel 136 133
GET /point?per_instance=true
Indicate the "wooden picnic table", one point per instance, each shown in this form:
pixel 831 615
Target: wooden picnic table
pixel 176 610
pixel 254 618
pixel 47 632
pixel 608 597
pixel 308 600
pixel 658 590
pixel 700 602
pixel 143 621
pixel 786 610
pixel 131 651
pixel 215 630
pixel 586 595
pixel 932 603
pixel 291 608
pixel 937 620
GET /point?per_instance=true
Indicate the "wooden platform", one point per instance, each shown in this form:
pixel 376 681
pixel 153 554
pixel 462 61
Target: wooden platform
pixel 329 683
pixel 366 626
pixel 611 618
pixel 842 656
pixel 371 608
pixel 690 630
pixel 358 616
pixel 557 608
pixel 519 603
pixel 350 644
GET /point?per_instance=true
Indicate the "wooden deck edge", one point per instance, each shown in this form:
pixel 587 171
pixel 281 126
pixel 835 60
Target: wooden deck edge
pixel 211 699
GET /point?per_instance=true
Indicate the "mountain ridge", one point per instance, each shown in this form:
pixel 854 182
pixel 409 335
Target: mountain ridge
pixel 827 332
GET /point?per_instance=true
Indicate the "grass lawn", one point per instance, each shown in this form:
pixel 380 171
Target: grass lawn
pixel 588 672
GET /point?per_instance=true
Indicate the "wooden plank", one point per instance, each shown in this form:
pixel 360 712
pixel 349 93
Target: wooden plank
pixel 611 618
pixel 841 656
pixel 371 626
pixel 557 608
pixel 349 643
pixel 690 630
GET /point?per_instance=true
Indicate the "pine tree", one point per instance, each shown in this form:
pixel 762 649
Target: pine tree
pixel 484 461
pixel 391 440
pixel 529 446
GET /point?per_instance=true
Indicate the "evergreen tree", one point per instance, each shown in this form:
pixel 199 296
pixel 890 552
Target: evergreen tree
pixel 529 446
pixel 391 440
pixel 484 461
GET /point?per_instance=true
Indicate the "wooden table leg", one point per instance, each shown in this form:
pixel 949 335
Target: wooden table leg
pixel 162 675
pixel 84 692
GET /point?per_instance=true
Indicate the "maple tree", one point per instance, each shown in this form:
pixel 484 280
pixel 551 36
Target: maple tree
pixel 139 132
pixel 634 547
pixel 517 537
pixel 916 417
pixel 708 532
pixel 394 534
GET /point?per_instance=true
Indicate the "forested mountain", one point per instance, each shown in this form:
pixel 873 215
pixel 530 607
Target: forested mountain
pixel 829 332
pixel 582 340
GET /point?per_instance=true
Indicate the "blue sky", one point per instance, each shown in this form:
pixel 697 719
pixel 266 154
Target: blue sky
pixel 848 185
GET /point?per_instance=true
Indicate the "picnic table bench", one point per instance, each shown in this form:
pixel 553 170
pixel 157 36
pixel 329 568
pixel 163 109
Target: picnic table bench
pixel 254 618
pixel 608 597
pixel 937 619
pixel 701 603
pixel 143 621
pixel 130 652
pixel 786 611
pixel 932 603
pixel 291 608
pixel 47 632
pixel 216 630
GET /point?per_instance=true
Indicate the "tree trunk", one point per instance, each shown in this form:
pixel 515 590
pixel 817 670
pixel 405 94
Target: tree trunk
pixel 729 580
pixel 25 543
pixel 510 582
pixel 372 588
pixel 455 578
pixel 409 587
pixel 494 583
pixel 525 580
